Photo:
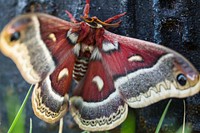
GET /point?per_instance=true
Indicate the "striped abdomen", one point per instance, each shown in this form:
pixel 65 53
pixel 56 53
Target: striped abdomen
pixel 80 68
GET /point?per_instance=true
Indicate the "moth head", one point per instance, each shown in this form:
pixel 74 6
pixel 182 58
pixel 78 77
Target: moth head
pixel 14 33
pixel 94 22
pixel 185 75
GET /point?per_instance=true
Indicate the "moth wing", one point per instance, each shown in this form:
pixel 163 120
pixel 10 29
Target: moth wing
pixel 96 104
pixel 145 73
pixel 130 72
pixel 51 94
pixel 36 43
pixel 42 48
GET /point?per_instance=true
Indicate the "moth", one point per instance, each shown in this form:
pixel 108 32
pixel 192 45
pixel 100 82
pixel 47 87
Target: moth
pixel 110 71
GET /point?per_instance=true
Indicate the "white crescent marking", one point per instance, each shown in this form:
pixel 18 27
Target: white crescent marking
pixel 135 58
pixel 52 37
pixel 99 82
pixel 63 73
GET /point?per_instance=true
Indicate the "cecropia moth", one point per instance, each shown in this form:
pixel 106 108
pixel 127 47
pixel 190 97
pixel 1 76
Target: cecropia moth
pixel 111 72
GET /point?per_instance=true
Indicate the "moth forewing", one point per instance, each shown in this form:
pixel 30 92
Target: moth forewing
pixel 28 51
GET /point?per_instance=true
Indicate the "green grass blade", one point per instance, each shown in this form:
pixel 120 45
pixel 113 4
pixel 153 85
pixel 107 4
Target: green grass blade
pixel 31 127
pixel 162 117
pixel 12 106
pixel 60 126
pixel 20 111
pixel 185 128
pixel 188 129
pixel 129 125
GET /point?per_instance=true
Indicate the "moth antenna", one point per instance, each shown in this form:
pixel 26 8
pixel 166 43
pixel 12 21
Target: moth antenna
pixel 86 9
pixel 109 20
pixel 71 17
pixel 87 1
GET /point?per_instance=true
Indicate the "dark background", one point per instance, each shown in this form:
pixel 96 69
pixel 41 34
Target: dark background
pixel 172 23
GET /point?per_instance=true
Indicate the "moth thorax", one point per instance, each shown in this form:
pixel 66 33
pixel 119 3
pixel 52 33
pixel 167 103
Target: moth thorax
pixel 80 68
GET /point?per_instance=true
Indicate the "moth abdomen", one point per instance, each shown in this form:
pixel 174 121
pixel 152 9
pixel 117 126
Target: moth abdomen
pixel 80 68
